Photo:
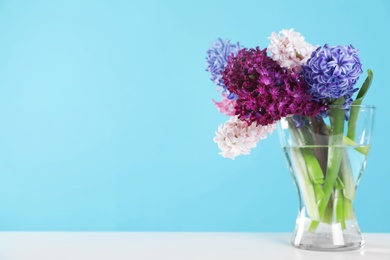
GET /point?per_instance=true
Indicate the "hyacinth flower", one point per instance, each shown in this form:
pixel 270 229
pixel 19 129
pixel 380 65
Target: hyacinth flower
pixel 226 105
pixel 289 49
pixel 216 60
pixel 265 91
pixel 332 73
pixel 236 137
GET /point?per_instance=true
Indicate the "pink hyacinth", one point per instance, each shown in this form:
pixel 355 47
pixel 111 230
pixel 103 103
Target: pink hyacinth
pixel 225 106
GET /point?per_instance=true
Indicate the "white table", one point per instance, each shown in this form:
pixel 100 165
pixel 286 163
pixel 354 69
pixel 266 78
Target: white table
pixel 172 246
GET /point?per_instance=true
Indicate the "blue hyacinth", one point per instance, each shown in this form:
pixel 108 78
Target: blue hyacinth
pixel 216 60
pixel 332 72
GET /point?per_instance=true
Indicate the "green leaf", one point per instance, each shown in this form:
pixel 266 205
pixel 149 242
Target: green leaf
pixel 366 85
pixel 361 149
pixel 353 115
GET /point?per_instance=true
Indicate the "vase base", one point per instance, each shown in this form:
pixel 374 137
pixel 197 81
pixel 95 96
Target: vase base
pixel 332 248
pixel 328 237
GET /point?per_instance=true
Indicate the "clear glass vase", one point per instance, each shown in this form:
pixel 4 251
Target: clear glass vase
pixel 326 156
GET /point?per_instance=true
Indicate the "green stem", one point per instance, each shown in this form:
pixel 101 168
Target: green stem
pixel 346 176
pixel 305 185
pixel 338 206
pixel 337 117
pixel 320 135
pixel 347 182
pixel 313 167
pixel 328 214
pixel 303 137
pixel 348 209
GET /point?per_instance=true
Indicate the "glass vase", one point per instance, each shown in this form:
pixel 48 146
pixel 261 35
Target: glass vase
pixel 326 156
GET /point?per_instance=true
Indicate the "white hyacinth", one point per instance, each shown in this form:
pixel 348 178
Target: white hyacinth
pixel 289 49
pixel 236 137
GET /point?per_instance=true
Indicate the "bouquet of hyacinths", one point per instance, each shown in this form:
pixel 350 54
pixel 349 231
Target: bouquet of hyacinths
pixel 308 88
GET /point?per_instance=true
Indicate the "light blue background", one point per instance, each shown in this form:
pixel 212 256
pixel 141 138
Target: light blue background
pixel 106 119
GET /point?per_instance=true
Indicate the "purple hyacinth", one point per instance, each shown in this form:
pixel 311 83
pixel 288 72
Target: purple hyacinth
pixel 265 91
pixel 216 60
pixel 332 72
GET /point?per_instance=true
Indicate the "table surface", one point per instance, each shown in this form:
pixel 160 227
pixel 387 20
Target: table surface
pixel 173 245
